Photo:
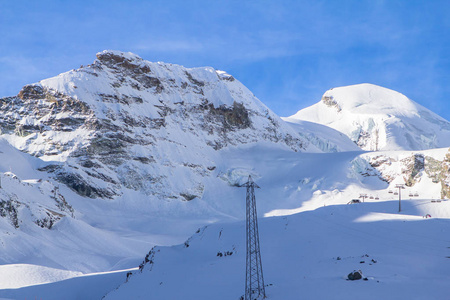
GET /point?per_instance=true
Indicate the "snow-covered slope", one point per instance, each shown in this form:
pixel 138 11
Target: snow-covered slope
pixel 44 223
pixel 377 118
pixel 403 256
pixel 308 256
pixel 87 287
pixel 105 234
pixel 21 275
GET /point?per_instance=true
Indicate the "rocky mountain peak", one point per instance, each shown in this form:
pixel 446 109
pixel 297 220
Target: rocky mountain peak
pixel 113 125
pixel 114 57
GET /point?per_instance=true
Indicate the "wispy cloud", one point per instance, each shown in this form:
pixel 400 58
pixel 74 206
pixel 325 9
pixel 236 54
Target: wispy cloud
pixel 161 45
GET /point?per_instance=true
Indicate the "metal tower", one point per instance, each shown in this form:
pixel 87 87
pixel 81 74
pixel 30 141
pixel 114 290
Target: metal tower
pixel 254 280
pixel 400 187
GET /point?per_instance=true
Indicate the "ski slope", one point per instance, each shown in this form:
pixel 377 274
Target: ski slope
pixel 309 255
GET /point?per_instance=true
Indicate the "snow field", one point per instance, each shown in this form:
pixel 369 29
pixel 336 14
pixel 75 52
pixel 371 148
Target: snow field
pixel 307 255
pixel 89 286
pixel 22 275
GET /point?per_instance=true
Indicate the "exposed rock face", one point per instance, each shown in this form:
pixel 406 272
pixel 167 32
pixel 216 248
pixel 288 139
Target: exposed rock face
pixel 45 208
pixel 123 122
pixel 410 168
pixel 367 168
pixel 37 113
pixel 331 102
pixel 413 168
pixel 445 177
pixel 8 209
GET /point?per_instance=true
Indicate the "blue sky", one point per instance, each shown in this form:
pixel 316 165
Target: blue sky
pixel 287 52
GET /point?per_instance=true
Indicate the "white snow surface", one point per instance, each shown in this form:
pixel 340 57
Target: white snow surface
pixel 89 286
pixel 365 111
pixel 308 255
pixel 21 275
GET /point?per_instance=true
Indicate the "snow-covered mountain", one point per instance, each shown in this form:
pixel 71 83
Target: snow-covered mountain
pixel 101 164
pixel 126 123
pixel 377 118
pixel 144 140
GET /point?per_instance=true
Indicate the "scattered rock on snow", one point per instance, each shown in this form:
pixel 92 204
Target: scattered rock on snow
pixel 355 275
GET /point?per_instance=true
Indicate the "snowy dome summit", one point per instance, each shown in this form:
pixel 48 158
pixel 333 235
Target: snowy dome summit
pixel 368 98
pixel 377 118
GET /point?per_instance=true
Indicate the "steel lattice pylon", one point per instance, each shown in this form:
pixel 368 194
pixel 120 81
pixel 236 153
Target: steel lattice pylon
pixel 254 280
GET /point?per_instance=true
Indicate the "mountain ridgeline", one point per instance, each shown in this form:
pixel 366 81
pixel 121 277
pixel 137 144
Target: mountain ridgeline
pixel 124 122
